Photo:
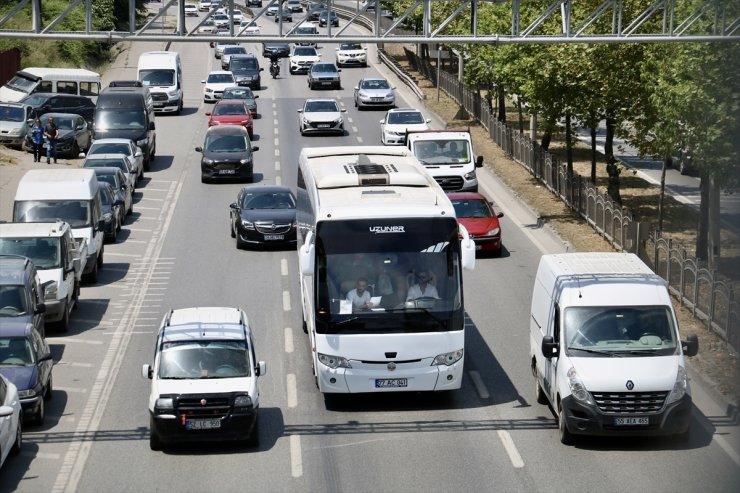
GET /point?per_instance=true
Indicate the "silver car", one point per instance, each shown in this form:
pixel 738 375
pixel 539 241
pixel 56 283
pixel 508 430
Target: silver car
pixel 13 124
pixel 321 115
pixel 228 51
pixel 120 161
pixel 120 146
pixel 244 94
pixel 374 91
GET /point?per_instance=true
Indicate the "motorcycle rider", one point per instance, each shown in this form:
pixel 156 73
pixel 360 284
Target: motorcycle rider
pixel 274 63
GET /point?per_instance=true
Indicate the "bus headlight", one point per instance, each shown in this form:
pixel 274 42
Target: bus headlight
pixel 333 362
pixel 680 387
pixel 448 359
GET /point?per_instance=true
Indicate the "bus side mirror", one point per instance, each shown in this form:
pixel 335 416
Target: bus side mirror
pixel 467 249
pixel 305 255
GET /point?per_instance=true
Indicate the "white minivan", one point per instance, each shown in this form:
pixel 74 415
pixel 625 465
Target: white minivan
pixel 161 72
pixel 75 81
pixel 605 348
pixel 448 156
pixel 69 195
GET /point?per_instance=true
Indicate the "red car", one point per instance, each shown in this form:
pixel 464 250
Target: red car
pixel 231 113
pixel 479 217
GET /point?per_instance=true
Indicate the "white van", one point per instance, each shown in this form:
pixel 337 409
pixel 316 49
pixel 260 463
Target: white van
pixel 76 81
pixel 605 348
pixel 161 72
pixel 448 156
pixel 69 195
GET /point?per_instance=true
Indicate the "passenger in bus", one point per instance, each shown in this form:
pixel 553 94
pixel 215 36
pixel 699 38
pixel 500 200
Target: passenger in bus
pixel 360 296
pixel 423 288
pixel 355 266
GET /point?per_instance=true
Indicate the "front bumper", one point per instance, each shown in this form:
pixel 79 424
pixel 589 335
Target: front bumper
pixel 251 83
pixel 375 101
pixel 227 172
pixel 361 378
pixel 30 406
pixel 352 60
pixel 212 96
pixel 322 128
pixel 233 427
pixel 12 140
pixel 584 419
pixel 395 140
pixel 280 235
pixel 54 310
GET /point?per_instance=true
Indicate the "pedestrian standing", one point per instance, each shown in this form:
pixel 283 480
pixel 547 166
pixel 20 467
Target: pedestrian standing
pixel 37 139
pixel 51 132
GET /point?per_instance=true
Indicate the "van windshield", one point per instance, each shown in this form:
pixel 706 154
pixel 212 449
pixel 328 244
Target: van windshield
pixel 44 252
pixel 448 151
pixel 75 212
pixel 21 83
pixel 120 119
pixel 621 330
pixel 204 359
pixel 157 77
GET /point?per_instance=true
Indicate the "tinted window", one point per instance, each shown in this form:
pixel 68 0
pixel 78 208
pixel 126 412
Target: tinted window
pixel 66 87
pixel 268 200
pixel 88 89
pixel 226 143
pixel 12 114
pixel 75 212
pixel 13 302
pixel 15 351
pixel 229 109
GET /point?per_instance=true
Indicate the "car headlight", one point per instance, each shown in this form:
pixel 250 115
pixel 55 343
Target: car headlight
pixel 247 224
pixel 395 132
pixel 680 387
pixel 245 161
pixel 207 161
pixel 469 175
pixel 448 359
pixel 25 394
pixel 14 131
pixel 577 389
pixel 333 362
pixel 208 90
pixel 50 293
pixel 338 121
pixel 306 121
pixel 493 232
pixel 243 401
pixel 163 405
pixel 142 142
pixel 363 94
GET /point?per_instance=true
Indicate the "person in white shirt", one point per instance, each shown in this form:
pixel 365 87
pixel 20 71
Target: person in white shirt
pixel 360 296
pixel 422 289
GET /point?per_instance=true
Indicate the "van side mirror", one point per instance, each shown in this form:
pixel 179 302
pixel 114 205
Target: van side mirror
pixel 550 348
pixel 151 126
pixel 147 372
pixel 690 345
pixel 261 369
pixel 479 162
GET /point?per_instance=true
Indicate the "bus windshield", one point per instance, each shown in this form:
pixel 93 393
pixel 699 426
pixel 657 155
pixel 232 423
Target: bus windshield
pixel 388 276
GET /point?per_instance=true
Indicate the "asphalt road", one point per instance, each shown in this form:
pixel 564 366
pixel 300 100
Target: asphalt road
pixel 490 435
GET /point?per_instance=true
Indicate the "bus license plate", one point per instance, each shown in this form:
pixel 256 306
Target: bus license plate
pixel 382 383
pixel 202 424
pixel 273 237
pixel 226 171
pixel 631 421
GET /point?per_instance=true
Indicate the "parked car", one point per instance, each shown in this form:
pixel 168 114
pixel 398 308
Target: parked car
pixel 110 209
pixel 263 215
pixel 121 189
pixel 14 123
pixel 204 378
pixel 21 294
pixel 374 92
pixel 217 81
pixel 328 17
pixel 302 58
pixel 321 115
pixel 120 161
pixel 74 136
pixel 11 421
pixel 120 146
pixel 191 9
pixel 393 127
pixel 227 154
pixel 25 360
pixel 231 113
pixel 480 218
pixel 245 94
pixel 246 70
pixel 52 102
pixel 228 51
pixel 351 54
pixel 324 74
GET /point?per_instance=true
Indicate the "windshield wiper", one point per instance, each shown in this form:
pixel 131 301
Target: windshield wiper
pixel 346 320
pixel 596 351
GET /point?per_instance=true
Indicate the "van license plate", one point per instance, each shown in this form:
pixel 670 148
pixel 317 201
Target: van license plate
pixel 631 421
pixel 202 424
pixel 381 383
pixel 226 171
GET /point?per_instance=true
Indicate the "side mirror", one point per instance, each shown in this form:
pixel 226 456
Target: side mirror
pixel 261 369
pixel 382 121
pixel 198 149
pixel 45 357
pixel 357 88
pixel 118 202
pixel 550 348
pixel 257 96
pixel 479 162
pixel 429 120
pixel 691 345
pixel 151 126
pixel 208 113
pixel 339 70
pixel 138 152
pixel 234 206
pixel 147 372
pixel 77 263
pixel 500 215
pixel 344 110
pixel 300 110
pixel 261 70
pixel 203 82
pixel 101 224
pixel 467 249
pixel 40 308
pixel 255 148
pixel 305 255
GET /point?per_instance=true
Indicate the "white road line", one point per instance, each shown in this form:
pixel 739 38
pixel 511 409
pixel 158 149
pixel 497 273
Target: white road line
pixel 88 321
pixel 480 387
pixel 292 390
pixel 359 140
pixel 286 301
pixel 129 255
pixel 277 142
pixel 727 448
pixel 277 165
pixel 278 181
pixel 147 332
pixel 129 240
pixel 73 390
pixel 74 365
pixel 508 443
pixel 151 198
pixel 78 341
pixel 283 267
pixel 296 462
pixel 139 207
pixel 354 129
pixel 40 455
pixel 288 340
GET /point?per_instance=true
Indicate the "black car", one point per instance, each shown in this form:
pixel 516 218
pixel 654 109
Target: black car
pixel 313 10
pixel 282 49
pixel 111 208
pixel 287 16
pixel 51 102
pixel 324 17
pixel 121 189
pixel 74 136
pixel 263 215
pixel 253 3
pixel 246 70
pixel 227 153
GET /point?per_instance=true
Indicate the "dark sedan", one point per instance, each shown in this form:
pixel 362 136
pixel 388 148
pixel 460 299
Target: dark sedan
pixel 227 154
pixel 282 49
pixel 111 208
pixel 47 102
pixel 287 16
pixel 121 190
pixel 74 137
pixel 263 215
pixel 327 16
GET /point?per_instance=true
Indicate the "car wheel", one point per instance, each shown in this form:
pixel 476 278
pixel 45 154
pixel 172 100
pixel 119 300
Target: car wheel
pixel 75 150
pixel 155 443
pixel 232 229
pixel 539 393
pixel 565 436
pixel 40 413
pixel 49 388
pixel 254 438
pixel 63 324
pixel 100 257
pixel 92 276
pixel 18 442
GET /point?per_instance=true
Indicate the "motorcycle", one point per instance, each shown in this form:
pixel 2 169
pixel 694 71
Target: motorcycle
pixel 274 69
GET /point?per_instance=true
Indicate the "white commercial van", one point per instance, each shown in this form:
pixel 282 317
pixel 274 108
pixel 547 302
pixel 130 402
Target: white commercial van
pixel 76 81
pixel 447 156
pixel 161 72
pixel 69 195
pixel 605 348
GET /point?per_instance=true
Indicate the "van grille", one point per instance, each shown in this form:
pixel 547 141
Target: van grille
pixel 449 182
pixel 159 96
pixel 618 403
pixel 215 407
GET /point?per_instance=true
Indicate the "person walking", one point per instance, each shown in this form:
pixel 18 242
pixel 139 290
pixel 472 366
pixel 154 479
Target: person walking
pixel 51 132
pixel 37 139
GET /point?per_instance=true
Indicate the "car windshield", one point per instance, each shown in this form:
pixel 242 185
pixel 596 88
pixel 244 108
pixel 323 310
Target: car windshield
pixel 62 122
pixel 106 163
pixel 442 151
pixel 221 17
pixel 323 67
pixel 120 119
pixel 304 51
pixel 157 77
pixel 233 50
pixel 375 84
pixel 204 359
pixel 606 331
pixel 350 46
pixel 110 179
pixel 226 143
pixel 321 106
pixel 405 117
pixel 105 195
pixel 110 148
pixel 306 30
pixel 268 200
pixel 244 64
pixel 241 93
pixel 220 79
pixel 15 351
pixel 44 252
pixel 471 208
pixel 229 109
pixel 12 114
pixel 75 212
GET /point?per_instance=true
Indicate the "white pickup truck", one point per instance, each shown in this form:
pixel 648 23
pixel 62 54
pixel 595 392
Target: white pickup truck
pixel 59 260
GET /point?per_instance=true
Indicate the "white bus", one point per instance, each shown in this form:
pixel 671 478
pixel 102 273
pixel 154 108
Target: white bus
pixel 372 215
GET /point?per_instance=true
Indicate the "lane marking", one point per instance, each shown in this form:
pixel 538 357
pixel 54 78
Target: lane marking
pixel 277 141
pixel 296 462
pixel 292 390
pixel 129 255
pixel 140 207
pixel 79 341
pixel 354 129
pixel 508 443
pixel 40 455
pixel 73 390
pixel 359 140
pixel 288 340
pixel 286 301
pixel 283 267
pixel 278 180
pixel 74 365
pixel 727 448
pixel 277 165
pixel 480 387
